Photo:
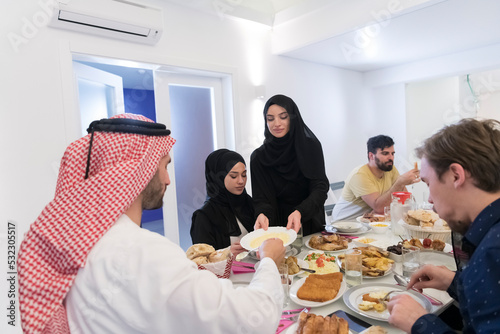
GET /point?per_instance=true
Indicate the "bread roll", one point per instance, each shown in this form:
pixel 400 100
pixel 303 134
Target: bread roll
pixel 198 250
pixel 220 255
pixel 200 260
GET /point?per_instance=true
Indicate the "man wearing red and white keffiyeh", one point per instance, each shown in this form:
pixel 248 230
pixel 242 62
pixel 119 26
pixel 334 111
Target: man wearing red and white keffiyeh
pixel 86 266
pixel 84 208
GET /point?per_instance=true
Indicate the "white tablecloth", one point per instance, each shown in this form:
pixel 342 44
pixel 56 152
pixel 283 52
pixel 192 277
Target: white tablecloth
pixel 431 257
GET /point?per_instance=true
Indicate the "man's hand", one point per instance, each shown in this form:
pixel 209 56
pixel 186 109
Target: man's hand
pixel 410 177
pixel 404 311
pixel 294 221
pixel 236 248
pixel 261 222
pixel 430 276
pixel 274 249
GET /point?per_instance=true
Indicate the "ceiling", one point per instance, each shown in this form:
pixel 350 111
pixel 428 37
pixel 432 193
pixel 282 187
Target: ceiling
pixel 357 34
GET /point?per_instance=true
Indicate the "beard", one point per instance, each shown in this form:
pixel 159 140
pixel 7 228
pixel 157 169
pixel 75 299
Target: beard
pixel 153 194
pixel 384 166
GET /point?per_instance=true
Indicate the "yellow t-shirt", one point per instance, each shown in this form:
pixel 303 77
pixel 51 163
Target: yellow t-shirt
pixel 362 182
pixel 359 183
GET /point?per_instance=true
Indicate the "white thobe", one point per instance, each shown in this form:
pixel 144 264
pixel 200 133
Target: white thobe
pixel 137 281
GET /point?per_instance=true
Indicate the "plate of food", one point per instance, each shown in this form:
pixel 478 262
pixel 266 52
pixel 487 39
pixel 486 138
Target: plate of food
pixel 364 299
pixel 364 241
pixel 254 239
pixel 294 265
pixel 370 218
pixel 318 290
pixel 333 243
pixel 376 262
pixel 362 230
pixel 322 263
pixel 429 244
pixel 308 322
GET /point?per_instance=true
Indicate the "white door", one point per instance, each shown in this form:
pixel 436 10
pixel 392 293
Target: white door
pixel 193 108
pixel 100 94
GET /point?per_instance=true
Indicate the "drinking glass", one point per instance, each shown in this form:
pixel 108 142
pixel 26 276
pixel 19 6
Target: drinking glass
pixel 387 214
pixel 353 267
pixel 411 261
pixel 285 282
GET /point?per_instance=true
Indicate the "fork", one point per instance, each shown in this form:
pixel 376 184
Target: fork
pixel 387 294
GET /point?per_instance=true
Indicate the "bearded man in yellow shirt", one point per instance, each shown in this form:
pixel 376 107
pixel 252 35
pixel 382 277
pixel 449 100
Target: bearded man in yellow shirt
pixel 369 187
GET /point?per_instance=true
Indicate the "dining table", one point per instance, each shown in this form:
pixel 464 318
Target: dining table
pixel 382 241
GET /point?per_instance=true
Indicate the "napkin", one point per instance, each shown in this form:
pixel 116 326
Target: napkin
pixel 284 324
pixel 286 316
pixel 242 270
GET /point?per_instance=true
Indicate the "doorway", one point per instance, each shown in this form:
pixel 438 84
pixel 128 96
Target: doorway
pixel 192 106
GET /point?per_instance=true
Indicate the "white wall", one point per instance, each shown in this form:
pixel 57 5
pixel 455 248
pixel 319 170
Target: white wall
pixel 35 115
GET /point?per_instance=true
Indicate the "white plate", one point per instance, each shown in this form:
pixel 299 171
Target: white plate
pixel 354 296
pixel 323 252
pixel 360 219
pixel 293 328
pixel 307 303
pixel 447 248
pixel 347 227
pixel 248 238
pixel 387 272
pixel 340 251
pixel 362 230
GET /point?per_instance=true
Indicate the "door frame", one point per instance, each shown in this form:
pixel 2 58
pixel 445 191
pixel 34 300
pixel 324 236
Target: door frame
pixel 76 50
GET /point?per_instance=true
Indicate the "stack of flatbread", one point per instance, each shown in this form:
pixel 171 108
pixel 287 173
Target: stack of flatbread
pixel 425 219
pixel 310 323
pixel 320 288
pixel 204 253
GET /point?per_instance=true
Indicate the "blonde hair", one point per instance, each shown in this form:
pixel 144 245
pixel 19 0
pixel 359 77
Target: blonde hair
pixel 473 144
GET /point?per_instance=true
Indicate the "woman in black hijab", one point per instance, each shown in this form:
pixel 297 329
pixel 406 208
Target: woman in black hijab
pixel 228 212
pixel 289 183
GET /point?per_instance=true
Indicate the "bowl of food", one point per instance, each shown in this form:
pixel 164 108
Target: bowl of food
pixel 346 227
pixel 380 227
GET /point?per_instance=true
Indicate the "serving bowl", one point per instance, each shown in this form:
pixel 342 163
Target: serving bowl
pixel 380 227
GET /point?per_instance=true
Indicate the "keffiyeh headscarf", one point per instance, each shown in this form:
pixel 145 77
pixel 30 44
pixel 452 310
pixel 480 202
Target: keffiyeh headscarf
pixel 95 187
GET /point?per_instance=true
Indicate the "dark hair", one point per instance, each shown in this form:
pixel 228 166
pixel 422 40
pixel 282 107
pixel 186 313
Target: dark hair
pixel 473 144
pixel 380 142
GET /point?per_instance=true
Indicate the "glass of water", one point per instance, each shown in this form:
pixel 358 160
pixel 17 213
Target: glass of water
pixel 285 282
pixel 411 261
pixel 353 267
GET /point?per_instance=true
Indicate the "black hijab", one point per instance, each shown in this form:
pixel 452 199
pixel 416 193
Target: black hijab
pixel 222 206
pixel 298 150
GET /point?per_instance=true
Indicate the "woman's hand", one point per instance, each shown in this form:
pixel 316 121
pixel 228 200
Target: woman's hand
pixel 294 221
pixel 236 248
pixel 261 222
pixel 429 276
pixel 404 311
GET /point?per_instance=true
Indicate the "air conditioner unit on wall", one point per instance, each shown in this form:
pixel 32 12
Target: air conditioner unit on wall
pixel 127 20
